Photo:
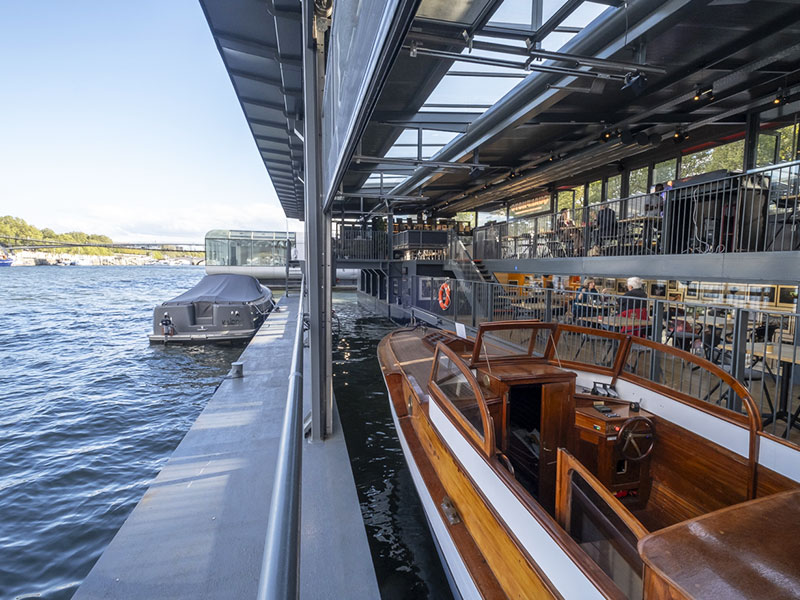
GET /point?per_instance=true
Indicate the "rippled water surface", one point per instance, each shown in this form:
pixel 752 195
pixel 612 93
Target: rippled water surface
pixel 406 562
pixel 89 412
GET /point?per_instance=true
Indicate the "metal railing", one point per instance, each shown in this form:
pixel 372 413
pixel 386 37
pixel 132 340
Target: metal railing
pixel 357 243
pixel 758 347
pixel 757 211
pixel 280 568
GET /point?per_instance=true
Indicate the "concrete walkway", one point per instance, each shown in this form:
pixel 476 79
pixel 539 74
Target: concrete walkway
pixel 199 530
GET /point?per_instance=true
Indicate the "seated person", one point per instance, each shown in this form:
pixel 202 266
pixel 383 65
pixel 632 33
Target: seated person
pixel 605 225
pixel 566 233
pixel 587 297
pixel 633 306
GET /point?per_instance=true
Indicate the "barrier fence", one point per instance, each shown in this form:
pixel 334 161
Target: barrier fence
pixel 755 211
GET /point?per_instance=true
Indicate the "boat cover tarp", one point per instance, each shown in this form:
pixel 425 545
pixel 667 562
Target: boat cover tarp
pixel 223 288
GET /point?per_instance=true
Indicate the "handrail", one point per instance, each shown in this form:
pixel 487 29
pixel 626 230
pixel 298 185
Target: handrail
pixel 280 567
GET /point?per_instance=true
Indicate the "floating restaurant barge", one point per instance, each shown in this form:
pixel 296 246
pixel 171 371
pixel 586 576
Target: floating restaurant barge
pixel 476 161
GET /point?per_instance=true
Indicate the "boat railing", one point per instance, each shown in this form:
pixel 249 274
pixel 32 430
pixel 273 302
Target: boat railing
pixel 280 566
pixel 698 382
pixel 756 347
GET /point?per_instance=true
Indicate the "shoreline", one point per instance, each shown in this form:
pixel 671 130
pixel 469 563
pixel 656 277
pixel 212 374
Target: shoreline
pixel 27 258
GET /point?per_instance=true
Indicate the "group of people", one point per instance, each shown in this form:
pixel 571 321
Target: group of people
pixel 631 305
pixel 603 229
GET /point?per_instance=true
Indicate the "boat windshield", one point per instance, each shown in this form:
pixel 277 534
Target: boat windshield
pixel 458 390
pixel 511 339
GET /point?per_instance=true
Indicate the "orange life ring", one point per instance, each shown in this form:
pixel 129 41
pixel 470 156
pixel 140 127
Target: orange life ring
pixel 444 296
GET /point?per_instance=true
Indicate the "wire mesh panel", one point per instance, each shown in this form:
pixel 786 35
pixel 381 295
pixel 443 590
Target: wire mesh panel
pixel 679 375
pixel 597 349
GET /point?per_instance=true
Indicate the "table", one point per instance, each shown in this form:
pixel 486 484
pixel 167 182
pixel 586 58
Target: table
pixel 616 322
pixel 650 230
pixel 788 355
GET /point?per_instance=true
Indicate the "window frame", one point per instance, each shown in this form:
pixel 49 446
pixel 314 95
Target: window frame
pixel 486 442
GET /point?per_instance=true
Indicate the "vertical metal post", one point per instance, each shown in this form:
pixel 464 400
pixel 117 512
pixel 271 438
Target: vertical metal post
pixel 326 385
pixel 548 305
pixel 752 130
pixel 740 319
pixel 315 228
pixel 288 260
pixel 475 287
pixel 658 331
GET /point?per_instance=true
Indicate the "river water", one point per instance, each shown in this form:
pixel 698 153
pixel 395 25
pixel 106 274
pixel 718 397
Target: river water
pixel 405 558
pixel 90 412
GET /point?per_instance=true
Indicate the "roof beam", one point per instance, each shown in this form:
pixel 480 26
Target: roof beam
pixel 276 83
pixel 237 43
pixel 562 13
pixel 509 31
pixel 525 66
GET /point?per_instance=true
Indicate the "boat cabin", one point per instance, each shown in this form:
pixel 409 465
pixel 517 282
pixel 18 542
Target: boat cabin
pixel 619 448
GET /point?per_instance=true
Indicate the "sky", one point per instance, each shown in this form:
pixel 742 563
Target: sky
pixel 119 118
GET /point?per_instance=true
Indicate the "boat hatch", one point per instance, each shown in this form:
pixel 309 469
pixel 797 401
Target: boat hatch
pixel 203 313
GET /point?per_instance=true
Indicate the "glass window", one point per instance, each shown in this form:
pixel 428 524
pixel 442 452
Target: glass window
pixel 728 157
pixel 498 216
pixel 216 252
pixel 767 149
pixel 595 192
pixel 570 198
pixel 665 171
pixel 614 187
pixel 467 216
pixel 637 182
pixel 605 537
pixel 458 390
pixel 777 146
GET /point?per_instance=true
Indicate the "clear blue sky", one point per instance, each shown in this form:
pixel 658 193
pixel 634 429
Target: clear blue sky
pixel 119 118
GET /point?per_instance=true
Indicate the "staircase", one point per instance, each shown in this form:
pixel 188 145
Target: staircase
pixel 486 275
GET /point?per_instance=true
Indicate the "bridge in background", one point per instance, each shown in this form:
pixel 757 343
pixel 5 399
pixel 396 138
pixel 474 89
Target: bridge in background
pixel 15 244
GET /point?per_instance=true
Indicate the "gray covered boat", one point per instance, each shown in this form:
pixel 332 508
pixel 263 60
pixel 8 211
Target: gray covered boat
pixel 220 308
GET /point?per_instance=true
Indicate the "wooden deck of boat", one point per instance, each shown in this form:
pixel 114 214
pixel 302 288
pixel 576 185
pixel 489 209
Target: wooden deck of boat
pixel 414 357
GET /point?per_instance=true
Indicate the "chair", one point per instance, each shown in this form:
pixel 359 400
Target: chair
pixel 634 314
pixel 724 359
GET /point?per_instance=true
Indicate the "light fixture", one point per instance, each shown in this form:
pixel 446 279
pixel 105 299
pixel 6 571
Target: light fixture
pixel 708 92
pixel 636 82
pixel 780 97
pixel 680 136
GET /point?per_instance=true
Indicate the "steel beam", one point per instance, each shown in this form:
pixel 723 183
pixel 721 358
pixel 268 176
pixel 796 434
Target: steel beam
pixel 237 43
pixel 532 94
pixel 315 226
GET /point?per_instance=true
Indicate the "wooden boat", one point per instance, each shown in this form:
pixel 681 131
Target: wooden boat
pixel 556 461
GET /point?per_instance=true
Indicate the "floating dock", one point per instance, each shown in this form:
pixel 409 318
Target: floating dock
pixel 199 530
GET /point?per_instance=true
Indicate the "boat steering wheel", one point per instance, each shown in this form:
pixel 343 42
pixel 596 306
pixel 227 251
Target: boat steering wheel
pixel 636 438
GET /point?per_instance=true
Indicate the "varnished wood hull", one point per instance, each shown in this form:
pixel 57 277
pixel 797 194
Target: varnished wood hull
pixel 504 544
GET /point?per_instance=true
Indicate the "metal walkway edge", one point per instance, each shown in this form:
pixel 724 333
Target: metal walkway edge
pixel 199 530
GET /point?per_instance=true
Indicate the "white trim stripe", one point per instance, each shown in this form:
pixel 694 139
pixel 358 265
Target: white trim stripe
pixel 780 458
pixel 565 575
pixel 458 570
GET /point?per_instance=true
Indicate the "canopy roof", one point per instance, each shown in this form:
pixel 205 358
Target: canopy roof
pixel 632 70
pixel 457 104
pixel 260 44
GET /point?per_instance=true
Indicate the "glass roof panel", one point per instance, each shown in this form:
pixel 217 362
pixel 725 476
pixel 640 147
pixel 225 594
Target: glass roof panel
pixel 518 12
pixel 452 11
pixel 584 14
